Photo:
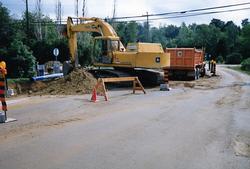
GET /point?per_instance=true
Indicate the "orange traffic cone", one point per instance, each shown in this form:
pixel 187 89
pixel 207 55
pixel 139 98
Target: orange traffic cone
pixel 94 96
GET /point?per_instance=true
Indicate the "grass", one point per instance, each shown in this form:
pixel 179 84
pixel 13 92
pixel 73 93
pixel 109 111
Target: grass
pixel 238 68
pixel 18 80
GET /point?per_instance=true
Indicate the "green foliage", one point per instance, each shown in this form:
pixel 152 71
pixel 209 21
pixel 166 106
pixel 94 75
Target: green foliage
pixel 217 23
pixel 120 29
pixel 156 36
pixel 170 31
pixel 142 33
pixel 21 60
pixel 18 80
pixel 220 59
pixel 244 22
pixel 245 41
pixel 234 58
pixel 232 34
pixel 185 37
pixel 43 50
pixel 85 47
pixel 5 27
pixel 245 64
pixel 131 31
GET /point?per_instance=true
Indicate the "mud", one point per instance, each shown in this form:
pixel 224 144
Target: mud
pixel 241 148
pixel 77 82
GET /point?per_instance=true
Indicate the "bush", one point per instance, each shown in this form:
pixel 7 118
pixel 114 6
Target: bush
pixel 220 59
pixel 245 65
pixel 20 62
pixel 234 58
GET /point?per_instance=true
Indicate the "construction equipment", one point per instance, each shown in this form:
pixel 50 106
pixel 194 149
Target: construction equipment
pixel 186 62
pixel 113 53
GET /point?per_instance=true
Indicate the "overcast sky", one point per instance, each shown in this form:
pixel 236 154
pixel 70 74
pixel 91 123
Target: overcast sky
pixel 104 8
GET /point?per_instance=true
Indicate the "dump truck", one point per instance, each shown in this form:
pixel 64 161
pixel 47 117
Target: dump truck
pixel 186 63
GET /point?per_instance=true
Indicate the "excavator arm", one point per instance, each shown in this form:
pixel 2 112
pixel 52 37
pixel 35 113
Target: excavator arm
pixel 88 25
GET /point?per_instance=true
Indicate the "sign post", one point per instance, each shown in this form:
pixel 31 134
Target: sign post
pixel 56 67
pixel 56 52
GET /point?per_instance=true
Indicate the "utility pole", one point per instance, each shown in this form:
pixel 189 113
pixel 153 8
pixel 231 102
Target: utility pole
pixel 39 25
pixel 76 8
pixel 27 18
pixel 147 28
pixel 84 10
pixel 59 12
pixel 114 13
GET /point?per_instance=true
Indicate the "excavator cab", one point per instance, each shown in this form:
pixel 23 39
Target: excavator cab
pixel 104 48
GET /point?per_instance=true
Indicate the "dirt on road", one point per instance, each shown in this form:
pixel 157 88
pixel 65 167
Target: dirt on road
pixel 78 81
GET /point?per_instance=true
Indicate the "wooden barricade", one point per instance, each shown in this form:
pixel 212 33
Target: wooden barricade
pixel 101 84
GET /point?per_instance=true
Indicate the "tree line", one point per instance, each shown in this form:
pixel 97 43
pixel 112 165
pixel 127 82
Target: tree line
pixel 23 48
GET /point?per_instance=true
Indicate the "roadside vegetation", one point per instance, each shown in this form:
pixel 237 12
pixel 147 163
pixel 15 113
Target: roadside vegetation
pixel 23 48
pixel 238 68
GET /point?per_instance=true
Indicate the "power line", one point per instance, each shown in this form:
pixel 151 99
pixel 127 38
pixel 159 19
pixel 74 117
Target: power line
pixel 195 14
pixel 179 14
pixel 169 17
pixel 183 12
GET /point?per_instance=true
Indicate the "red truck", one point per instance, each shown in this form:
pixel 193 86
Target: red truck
pixel 186 63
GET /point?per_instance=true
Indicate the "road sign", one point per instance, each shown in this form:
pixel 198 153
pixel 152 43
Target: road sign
pixel 56 52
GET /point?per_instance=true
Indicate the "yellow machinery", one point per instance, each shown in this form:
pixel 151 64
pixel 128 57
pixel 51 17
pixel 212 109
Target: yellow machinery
pixel 113 53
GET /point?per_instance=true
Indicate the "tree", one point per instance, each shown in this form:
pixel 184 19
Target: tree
pixel 171 31
pixel 245 41
pixel 234 58
pixel 20 62
pixel 232 34
pixel 157 36
pixel 208 37
pixel 131 31
pixel 185 37
pixel 244 22
pixel 85 46
pixel 142 32
pixel 5 29
pixel 217 23
pixel 120 29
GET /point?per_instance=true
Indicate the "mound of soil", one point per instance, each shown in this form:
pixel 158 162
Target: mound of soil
pixel 78 81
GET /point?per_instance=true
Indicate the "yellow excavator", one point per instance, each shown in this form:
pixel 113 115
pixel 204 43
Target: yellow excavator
pixel 113 53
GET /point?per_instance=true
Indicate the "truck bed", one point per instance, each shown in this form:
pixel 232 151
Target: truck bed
pixel 185 58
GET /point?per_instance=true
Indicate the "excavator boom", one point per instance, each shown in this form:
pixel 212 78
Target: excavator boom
pixel 87 25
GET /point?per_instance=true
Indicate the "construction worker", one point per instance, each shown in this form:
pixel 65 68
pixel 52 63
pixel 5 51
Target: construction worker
pixel 209 62
pixel 214 68
pixel 3 70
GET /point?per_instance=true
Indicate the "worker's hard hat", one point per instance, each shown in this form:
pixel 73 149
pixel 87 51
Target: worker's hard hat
pixel 2 65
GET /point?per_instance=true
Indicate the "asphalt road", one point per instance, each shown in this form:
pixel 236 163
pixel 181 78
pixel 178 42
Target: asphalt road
pixel 197 125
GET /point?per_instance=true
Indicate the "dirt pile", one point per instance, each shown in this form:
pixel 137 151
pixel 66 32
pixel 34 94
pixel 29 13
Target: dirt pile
pixel 78 81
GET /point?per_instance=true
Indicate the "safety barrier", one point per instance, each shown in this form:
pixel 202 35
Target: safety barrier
pixel 101 84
